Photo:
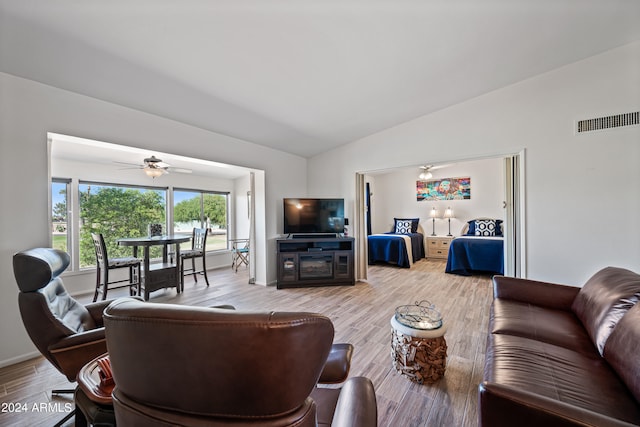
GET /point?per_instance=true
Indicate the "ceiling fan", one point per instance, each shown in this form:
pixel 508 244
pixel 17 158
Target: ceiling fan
pixel 425 171
pixel 155 167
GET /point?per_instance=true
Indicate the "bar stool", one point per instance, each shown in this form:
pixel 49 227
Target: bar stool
pixel 198 250
pixel 104 264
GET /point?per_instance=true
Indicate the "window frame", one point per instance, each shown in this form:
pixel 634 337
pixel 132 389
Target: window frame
pixel 202 192
pixel 67 182
pixel 74 220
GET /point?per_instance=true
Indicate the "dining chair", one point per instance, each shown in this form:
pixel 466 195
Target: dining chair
pixel 198 250
pixel 239 253
pixel 104 265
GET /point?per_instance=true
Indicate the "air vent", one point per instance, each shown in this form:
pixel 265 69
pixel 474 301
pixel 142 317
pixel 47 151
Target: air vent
pixel 608 122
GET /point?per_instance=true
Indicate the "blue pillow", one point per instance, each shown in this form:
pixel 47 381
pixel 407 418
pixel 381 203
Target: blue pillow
pixel 472 227
pixel 400 227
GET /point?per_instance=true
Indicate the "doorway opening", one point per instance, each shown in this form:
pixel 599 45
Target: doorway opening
pixel 510 167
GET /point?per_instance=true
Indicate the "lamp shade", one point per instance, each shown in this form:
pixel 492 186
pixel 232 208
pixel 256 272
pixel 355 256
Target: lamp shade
pixel 433 213
pixel 448 213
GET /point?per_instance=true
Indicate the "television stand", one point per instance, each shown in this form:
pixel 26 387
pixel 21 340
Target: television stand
pixel 315 261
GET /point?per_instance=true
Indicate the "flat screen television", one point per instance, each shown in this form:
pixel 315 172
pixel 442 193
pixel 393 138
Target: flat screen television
pixel 313 215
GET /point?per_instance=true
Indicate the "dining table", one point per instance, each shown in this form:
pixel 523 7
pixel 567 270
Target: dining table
pixel 158 275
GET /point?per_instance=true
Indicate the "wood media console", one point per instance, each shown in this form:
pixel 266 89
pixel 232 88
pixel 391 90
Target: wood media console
pixel 315 261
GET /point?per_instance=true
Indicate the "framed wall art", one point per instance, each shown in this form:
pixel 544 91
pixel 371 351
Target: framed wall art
pixel 444 189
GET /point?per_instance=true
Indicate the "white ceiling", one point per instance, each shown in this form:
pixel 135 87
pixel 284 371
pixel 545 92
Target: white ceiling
pixel 301 76
pixel 113 156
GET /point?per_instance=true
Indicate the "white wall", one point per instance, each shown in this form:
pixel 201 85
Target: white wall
pixel 28 110
pixel 394 196
pixel 241 214
pixel 582 192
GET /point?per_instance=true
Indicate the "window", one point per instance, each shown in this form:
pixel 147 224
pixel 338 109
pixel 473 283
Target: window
pixel 116 212
pixel 202 209
pixel 60 214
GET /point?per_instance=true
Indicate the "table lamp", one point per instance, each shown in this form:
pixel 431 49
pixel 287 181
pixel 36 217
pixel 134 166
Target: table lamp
pixel 448 213
pixel 433 214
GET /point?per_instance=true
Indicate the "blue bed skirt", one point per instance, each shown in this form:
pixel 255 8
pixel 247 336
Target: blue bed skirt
pixel 390 248
pixel 468 255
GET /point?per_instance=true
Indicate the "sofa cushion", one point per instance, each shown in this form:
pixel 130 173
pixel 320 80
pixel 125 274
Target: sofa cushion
pixel 621 350
pixel 549 373
pixel 604 299
pixel 552 326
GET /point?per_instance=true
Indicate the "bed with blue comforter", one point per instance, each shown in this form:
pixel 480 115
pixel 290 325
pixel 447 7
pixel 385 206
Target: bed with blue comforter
pixel 476 254
pixel 480 249
pixel 392 248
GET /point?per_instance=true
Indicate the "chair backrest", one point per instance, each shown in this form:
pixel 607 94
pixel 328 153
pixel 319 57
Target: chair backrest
pixel 221 366
pixel 102 258
pixel 48 312
pixel 199 239
pixel 241 245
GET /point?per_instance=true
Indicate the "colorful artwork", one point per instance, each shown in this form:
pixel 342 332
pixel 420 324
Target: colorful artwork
pixel 444 189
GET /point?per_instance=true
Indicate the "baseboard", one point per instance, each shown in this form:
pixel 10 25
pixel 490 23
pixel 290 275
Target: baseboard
pixel 18 359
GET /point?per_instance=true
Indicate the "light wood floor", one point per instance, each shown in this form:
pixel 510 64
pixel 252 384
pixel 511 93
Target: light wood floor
pixel 361 315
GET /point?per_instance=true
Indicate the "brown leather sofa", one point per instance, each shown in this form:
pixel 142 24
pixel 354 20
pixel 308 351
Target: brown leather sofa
pixel 559 355
pixel 196 366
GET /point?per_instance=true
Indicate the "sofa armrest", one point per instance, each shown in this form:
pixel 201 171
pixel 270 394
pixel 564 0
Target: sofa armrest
pixel 503 406
pixel 357 405
pixel 544 294
pixel 336 368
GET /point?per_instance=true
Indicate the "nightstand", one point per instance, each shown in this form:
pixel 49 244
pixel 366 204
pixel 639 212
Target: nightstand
pixel 438 246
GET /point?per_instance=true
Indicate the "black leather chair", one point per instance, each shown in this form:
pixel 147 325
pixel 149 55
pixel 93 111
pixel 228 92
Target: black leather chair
pixel 229 368
pixel 66 332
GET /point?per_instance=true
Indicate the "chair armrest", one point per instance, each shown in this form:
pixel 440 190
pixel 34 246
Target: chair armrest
pixel 73 352
pixel 357 405
pixel 78 340
pixel 544 294
pixel 96 309
pixel 336 368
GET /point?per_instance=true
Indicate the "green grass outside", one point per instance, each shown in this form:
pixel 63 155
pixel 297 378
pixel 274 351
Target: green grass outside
pixel 60 242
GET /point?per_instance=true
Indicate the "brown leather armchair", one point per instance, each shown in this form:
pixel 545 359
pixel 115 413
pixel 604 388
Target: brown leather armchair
pixel 193 366
pixel 67 333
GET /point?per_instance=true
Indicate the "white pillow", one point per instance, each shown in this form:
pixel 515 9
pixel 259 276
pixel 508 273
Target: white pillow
pixel 403 227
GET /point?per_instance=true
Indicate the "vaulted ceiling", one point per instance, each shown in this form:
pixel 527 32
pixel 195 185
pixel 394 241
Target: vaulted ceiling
pixel 301 76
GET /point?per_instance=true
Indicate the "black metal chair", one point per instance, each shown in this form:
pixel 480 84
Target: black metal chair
pixel 104 264
pixel 198 250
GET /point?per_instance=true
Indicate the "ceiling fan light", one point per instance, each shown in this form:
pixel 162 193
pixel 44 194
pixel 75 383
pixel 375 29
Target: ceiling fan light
pixel 425 175
pixel 153 172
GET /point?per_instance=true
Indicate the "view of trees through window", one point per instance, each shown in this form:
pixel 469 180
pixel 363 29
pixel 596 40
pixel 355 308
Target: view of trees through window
pixel 117 212
pixel 200 209
pixel 60 214
pixel 125 211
